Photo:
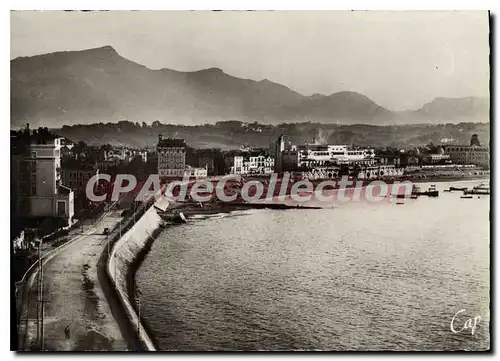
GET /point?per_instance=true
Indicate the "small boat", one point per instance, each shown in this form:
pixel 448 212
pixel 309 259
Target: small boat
pixel 460 189
pixel 431 192
pixel 174 218
pixel 415 192
pixel 170 217
pixel 467 197
pixel 482 188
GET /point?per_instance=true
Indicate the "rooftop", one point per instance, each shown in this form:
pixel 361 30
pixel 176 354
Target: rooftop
pixel 77 164
pixel 170 142
pixel 21 140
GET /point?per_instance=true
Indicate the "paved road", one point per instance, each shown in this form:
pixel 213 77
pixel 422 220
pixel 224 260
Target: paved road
pixel 74 298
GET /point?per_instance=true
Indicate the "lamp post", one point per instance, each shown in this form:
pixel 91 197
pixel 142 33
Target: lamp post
pixel 40 295
pixel 138 302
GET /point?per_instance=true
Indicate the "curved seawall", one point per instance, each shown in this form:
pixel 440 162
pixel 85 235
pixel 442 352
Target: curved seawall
pixel 126 253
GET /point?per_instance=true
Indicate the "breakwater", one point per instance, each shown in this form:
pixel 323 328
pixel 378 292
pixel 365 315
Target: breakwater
pixel 130 242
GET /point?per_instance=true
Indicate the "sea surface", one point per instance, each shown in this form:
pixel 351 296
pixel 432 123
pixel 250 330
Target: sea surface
pixel 363 276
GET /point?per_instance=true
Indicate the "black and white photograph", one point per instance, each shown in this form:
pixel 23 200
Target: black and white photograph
pixel 229 180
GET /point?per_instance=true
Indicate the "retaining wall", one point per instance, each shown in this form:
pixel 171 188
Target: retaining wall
pixel 123 260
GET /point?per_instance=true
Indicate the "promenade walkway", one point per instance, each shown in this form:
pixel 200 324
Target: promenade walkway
pixel 76 314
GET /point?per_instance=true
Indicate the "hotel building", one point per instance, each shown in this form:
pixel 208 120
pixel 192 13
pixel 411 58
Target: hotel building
pixel 172 160
pixel 469 154
pixel 171 157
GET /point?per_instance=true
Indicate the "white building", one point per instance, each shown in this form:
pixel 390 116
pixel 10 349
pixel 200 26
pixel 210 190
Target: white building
pixel 196 172
pixel 36 171
pixel 435 158
pixel 255 164
pixel 381 171
pixel 124 155
pixel 171 157
pixel 311 156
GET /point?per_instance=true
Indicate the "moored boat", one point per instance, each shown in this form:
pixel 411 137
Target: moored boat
pixel 173 217
pixel 430 192
pixel 481 189
pixel 415 192
pixel 460 189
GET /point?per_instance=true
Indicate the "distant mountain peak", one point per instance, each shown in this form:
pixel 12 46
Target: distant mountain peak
pixel 106 51
pixel 99 84
pixel 106 48
pixel 213 70
pixel 347 93
pixel 445 109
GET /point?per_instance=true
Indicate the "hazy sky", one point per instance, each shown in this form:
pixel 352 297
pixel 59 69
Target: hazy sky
pixel 401 59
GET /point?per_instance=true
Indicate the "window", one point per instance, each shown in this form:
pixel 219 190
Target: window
pixel 33 154
pixel 33 190
pixel 61 208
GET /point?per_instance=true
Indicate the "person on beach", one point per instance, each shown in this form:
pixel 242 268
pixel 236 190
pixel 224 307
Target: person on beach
pixel 66 332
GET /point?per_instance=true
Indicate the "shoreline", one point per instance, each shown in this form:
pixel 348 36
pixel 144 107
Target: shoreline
pixel 111 291
pixel 113 297
pixel 132 285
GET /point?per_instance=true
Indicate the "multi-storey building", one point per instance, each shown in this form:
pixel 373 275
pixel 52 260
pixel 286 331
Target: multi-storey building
pixel 253 164
pixel 312 156
pixel 469 154
pixel 37 189
pixel 171 157
pixel 76 177
pixel 276 150
pixel 464 154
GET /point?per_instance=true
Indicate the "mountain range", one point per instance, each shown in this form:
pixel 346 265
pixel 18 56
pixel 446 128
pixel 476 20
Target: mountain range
pixel 99 85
